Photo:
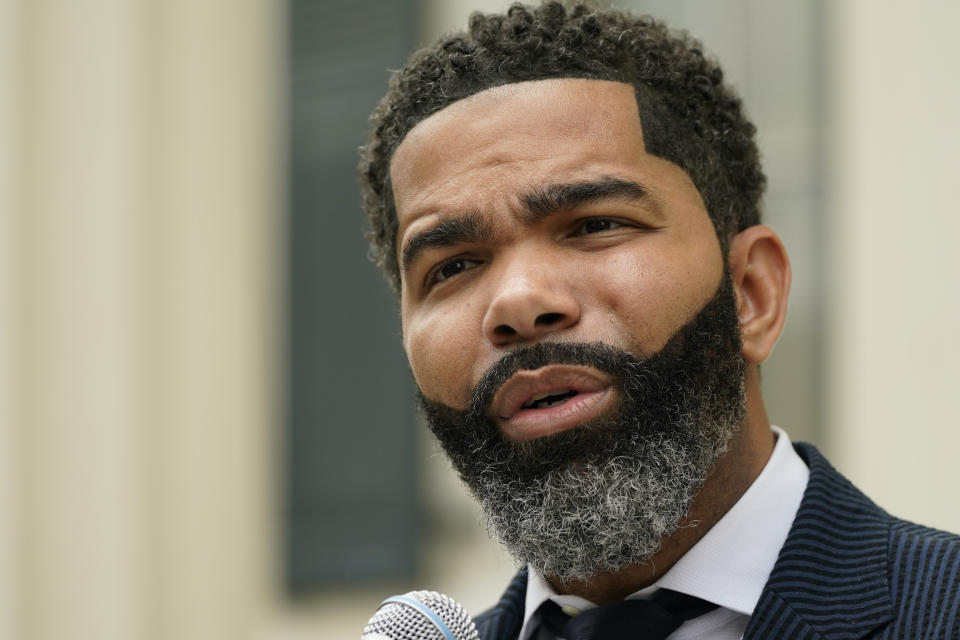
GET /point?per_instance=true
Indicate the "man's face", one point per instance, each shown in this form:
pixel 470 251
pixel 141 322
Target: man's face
pixel 568 319
pixel 532 212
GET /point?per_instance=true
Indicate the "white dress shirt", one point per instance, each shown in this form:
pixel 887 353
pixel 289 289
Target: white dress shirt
pixel 729 566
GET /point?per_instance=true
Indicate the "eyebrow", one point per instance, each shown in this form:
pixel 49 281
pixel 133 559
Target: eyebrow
pixel 464 229
pixel 545 201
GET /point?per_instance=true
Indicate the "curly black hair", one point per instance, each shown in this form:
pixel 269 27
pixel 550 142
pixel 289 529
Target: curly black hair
pixel 689 116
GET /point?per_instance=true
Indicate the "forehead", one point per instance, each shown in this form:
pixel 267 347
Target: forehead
pixel 552 130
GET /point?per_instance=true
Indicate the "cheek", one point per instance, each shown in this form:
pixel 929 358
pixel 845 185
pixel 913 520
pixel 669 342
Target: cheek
pixel 648 296
pixel 626 289
pixel 439 352
pixel 642 297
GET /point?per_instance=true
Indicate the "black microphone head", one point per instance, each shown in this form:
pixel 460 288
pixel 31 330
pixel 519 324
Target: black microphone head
pixel 420 615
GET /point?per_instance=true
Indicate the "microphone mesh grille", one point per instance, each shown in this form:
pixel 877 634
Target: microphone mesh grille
pixel 403 622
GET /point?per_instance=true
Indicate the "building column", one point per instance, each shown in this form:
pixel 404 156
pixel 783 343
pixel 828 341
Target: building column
pixel 893 259
pixel 139 225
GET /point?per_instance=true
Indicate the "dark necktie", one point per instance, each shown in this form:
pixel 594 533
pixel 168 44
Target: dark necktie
pixel 652 619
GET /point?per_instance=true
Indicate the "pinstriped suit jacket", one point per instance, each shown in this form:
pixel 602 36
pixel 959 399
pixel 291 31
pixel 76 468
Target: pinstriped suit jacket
pixel 847 570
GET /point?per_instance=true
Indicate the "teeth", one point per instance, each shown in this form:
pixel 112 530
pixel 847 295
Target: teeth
pixel 549 403
pixel 550 398
pixel 546 394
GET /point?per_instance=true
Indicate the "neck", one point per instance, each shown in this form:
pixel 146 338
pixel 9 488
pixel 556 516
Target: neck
pixel 729 478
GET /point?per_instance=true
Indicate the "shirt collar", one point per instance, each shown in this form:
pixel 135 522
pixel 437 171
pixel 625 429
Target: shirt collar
pixel 731 563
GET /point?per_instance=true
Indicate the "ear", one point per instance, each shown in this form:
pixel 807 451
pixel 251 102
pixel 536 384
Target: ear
pixel 761 277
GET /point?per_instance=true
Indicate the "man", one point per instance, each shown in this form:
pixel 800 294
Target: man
pixel 568 204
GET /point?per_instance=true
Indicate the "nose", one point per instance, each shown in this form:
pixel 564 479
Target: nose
pixel 530 301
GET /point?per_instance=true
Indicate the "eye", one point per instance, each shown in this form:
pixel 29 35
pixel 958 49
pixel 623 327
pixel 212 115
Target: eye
pixel 597 225
pixel 450 269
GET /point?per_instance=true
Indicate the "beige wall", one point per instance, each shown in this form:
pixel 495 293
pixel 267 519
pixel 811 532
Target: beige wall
pixel 9 493
pixel 140 306
pixel 139 319
pixel 894 221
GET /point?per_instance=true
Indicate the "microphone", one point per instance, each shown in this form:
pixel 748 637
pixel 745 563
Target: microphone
pixel 420 615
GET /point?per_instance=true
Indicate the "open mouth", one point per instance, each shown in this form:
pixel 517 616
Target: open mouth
pixel 549 399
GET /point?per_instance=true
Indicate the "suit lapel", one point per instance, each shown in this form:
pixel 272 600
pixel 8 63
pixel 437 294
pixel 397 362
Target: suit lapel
pixel 830 579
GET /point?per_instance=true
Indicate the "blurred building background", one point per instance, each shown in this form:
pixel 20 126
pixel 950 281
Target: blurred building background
pixel 205 429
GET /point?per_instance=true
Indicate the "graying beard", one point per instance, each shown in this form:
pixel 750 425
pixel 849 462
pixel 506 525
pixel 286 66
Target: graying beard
pixel 586 518
pixel 603 496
